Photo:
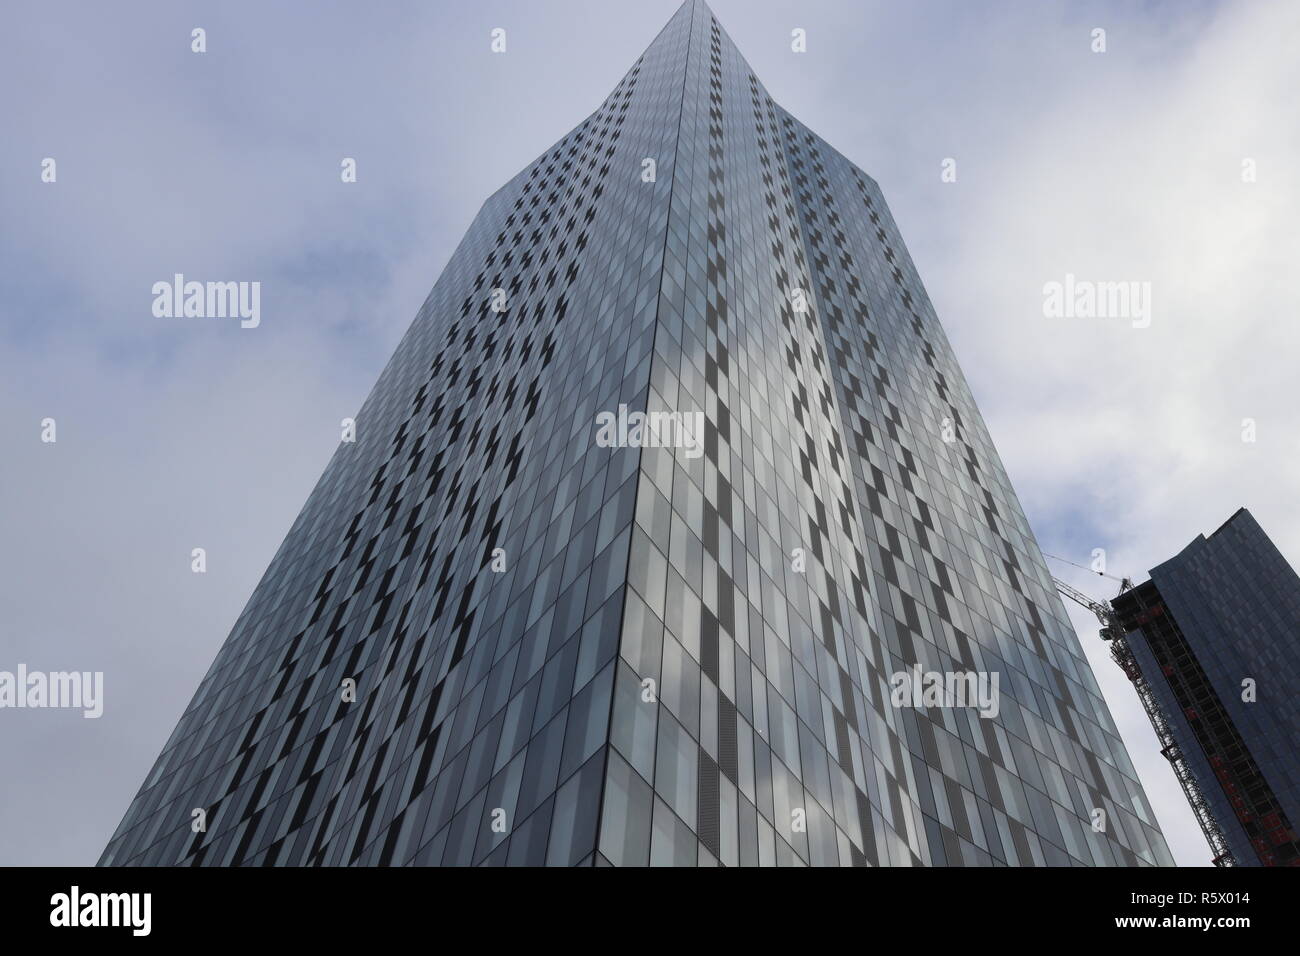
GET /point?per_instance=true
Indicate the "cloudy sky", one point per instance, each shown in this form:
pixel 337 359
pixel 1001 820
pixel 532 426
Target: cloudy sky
pixel 1125 165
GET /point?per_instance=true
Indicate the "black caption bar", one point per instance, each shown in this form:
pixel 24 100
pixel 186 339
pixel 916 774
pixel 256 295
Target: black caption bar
pixel 338 905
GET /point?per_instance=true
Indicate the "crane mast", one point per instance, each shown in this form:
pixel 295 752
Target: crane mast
pixel 1120 652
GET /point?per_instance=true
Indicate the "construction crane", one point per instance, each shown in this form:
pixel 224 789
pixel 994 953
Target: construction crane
pixel 1110 629
pixel 1113 633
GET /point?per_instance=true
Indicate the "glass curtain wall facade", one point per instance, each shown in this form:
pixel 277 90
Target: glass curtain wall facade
pixel 571 651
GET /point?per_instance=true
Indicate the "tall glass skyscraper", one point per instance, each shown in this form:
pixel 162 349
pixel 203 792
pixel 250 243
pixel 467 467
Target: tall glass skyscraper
pixel 503 631
pixel 1215 638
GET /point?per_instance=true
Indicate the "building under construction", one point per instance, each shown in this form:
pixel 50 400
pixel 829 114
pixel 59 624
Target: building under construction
pixel 1212 645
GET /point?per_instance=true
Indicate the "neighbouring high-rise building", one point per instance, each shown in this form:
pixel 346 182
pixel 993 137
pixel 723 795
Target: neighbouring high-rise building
pixel 670 534
pixel 1214 640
